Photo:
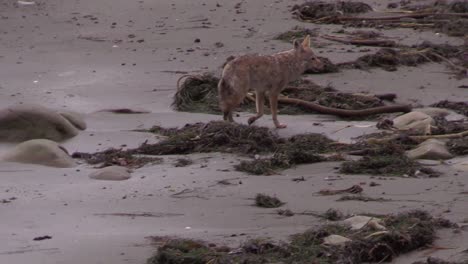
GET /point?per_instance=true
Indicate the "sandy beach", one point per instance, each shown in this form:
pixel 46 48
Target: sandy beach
pixel 90 55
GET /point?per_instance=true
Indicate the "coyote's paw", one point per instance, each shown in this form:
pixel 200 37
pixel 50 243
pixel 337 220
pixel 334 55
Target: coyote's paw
pixel 280 125
pixel 251 120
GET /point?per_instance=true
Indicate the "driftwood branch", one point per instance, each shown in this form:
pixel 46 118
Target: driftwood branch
pixel 446 136
pixel 363 42
pixel 344 112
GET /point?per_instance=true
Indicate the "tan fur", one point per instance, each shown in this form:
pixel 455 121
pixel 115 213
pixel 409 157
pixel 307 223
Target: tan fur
pixel 268 74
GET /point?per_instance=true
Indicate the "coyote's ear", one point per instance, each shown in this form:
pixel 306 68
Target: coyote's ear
pixel 306 42
pixel 296 44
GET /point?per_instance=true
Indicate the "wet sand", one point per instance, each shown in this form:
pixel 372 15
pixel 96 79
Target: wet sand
pixel 55 54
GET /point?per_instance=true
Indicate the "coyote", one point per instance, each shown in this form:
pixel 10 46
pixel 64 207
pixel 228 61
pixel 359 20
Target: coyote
pixel 264 74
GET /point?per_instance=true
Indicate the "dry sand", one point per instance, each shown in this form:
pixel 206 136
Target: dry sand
pixel 53 53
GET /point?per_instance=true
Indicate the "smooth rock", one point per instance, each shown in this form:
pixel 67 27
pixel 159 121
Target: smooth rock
pixel 40 151
pixel 431 149
pixel 111 173
pixel 25 122
pixel 74 118
pixel 414 122
pixel 335 240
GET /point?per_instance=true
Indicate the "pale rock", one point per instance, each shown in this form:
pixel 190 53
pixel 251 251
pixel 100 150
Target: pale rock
pixel 40 151
pixel 360 221
pixel 111 173
pixel 414 122
pixel 74 118
pixel 25 122
pixel 431 149
pixel 335 240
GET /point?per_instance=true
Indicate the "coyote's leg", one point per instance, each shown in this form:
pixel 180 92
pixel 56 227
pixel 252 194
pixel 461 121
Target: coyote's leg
pixel 227 116
pixel 259 102
pixel 274 110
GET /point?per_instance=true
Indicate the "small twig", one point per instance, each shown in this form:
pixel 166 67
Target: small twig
pixel 415 15
pixel 364 42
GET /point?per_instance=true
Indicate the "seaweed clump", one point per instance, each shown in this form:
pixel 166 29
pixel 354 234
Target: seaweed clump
pixel 119 157
pixel 296 150
pixel 385 158
pixel 405 232
pixel 266 201
pixel 320 9
pixel 390 165
pixel 198 94
pixel 215 136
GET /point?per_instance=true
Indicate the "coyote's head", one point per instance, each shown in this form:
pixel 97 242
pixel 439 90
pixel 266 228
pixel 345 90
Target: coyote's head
pixel 306 55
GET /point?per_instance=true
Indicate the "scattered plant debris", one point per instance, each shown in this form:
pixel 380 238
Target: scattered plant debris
pixel 443 127
pixel 353 189
pixel 459 107
pixel 404 232
pixel 362 42
pixel 361 198
pixel 266 201
pixel 433 16
pixel 119 157
pixel 458 146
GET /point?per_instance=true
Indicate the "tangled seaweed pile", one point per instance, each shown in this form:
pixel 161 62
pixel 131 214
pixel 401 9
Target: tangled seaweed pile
pixel 199 94
pixel 215 136
pixel 296 150
pixel 405 232
pixel 459 107
pixel 390 59
pixel 450 18
pixel 382 158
